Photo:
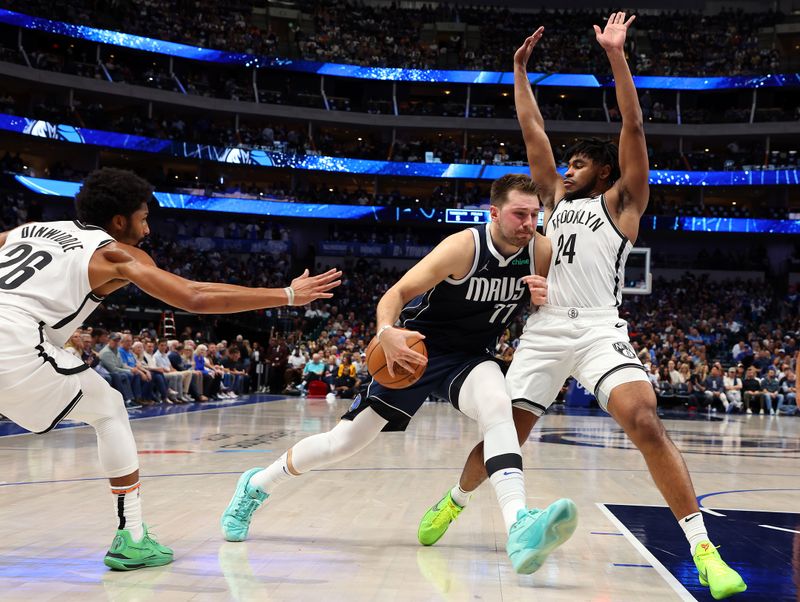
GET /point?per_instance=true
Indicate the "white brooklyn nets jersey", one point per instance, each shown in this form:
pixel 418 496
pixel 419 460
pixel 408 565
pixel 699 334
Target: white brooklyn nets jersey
pixel 44 274
pixel 589 252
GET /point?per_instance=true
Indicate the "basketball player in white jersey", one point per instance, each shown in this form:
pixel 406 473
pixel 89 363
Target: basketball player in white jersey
pixel 592 218
pixel 52 276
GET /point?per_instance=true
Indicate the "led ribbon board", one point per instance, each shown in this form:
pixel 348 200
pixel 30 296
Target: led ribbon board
pixel 265 158
pixel 401 214
pixel 144 44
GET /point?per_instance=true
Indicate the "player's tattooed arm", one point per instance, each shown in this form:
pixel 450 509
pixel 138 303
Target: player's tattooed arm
pixel 631 192
pixel 540 154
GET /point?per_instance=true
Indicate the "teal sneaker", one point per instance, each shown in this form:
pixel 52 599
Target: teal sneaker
pixel 437 519
pixel 236 519
pixel 538 532
pixel 128 555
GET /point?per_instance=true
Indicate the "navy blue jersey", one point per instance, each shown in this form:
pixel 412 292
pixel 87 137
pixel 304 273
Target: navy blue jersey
pixel 471 313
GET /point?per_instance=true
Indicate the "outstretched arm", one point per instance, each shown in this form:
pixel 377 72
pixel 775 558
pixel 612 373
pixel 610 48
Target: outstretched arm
pixel 117 264
pixel 537 146
pixel 631 193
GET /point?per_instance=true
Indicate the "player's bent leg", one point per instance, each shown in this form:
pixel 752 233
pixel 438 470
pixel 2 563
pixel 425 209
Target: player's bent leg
pixel 533 534
pixel 254 486
pixel 438 518
pixel 104 409
pixel 633 406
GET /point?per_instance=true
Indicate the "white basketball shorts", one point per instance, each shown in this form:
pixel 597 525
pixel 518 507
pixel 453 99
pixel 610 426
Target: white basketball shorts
pixel 39 382
pixel 591 345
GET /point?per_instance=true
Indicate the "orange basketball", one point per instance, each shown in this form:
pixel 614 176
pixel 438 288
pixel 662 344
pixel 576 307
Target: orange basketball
pixel 376 364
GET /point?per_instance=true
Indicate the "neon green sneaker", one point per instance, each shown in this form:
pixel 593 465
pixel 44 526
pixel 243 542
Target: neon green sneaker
pixel 715 574
pixel 128 555
pixel 235 521
pixel 437 519
pixel 538 532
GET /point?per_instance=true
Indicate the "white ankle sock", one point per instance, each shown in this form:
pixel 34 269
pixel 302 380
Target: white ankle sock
pixel 695 529
pixel 272 475
pixel 460 496
pixel 129 509
pixel 509 485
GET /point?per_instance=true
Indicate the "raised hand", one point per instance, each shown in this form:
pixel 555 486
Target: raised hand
pixel 309 288
pixel 523 53
pixel 612 37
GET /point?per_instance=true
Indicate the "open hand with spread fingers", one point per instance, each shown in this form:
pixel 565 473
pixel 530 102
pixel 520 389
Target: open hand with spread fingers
pixel 309 288
pixel 612 36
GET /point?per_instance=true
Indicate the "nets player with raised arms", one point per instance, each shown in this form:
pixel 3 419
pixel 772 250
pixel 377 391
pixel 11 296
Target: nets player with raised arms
pixel 52 276
pixel 592 218
pixel 459 298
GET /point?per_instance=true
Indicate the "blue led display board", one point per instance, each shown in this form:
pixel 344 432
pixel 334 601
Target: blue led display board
pixel 272 207
pixel 576 80
pixel 264 158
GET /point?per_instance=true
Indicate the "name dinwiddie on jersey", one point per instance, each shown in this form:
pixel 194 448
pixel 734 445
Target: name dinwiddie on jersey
pixel 495 289
pixel 67 241
pixel 580 216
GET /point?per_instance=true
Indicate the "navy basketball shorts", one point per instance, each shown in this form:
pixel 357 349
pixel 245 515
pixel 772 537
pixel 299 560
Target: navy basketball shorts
pixel 443 377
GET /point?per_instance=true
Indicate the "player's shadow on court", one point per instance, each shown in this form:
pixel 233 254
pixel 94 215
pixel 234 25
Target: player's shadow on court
pixel 446 577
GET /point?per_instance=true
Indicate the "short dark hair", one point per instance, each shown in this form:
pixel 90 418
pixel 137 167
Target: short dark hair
pixel 602 152
pixel 163 341
pixel 98 332
pixel 513 181
pixel 108 192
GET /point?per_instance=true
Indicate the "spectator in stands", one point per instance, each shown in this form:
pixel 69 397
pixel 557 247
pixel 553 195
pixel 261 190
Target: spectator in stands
pixel 182 361
pixel 235 366
pixel 294 372
pixel 733 388
pixel 752 391
pixel 179 381
pixel 278 358
pixel 314 370
pixel 346 383
pixel 99 338
pixel 772 391
pixel 714 391
pixel 788 403
pixel 146 362
pixel 120 372
pixel 675 377
pixel 211 378
pixel 140 377
pixel 75 343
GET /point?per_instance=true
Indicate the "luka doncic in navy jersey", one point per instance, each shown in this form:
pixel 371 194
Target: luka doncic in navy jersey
pixel 468 315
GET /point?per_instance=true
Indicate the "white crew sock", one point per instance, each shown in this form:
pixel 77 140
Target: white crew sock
pixel 129 509
pixel 459 496
pixel 695 530
pixel 509 485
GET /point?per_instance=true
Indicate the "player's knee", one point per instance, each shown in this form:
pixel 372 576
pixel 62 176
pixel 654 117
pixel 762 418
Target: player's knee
pixel 644 425
pixel 495 411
